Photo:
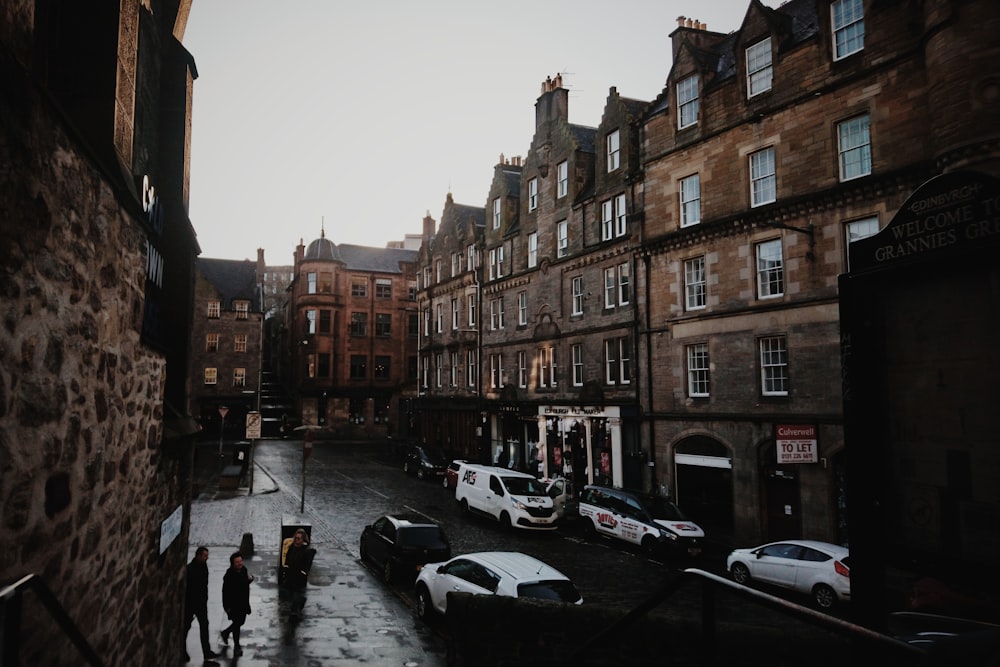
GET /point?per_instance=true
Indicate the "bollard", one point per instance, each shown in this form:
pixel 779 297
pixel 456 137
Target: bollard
pixel 246 546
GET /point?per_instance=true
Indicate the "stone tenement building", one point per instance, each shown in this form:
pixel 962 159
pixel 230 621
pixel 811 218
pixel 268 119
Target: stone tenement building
pixel 97 257
pixel 352 337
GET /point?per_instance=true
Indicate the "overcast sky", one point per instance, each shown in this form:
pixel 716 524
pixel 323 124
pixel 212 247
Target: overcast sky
pixel 362 116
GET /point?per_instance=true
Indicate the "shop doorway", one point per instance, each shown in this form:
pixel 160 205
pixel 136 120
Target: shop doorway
pixel 782 510
pixel 704 482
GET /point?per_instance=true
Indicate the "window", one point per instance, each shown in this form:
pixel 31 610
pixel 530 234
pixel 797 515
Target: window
pixel 614 150
pixel 759 68
pixel 427 321
pixel 616 286
pixel 439 370
pixel 762 180
pixel 453 370
pixel 471 363
pixel 471 257
pixel 522 369
pixel 240 343
pixel 310 322
pixel 770 270
pixel 860 229
pixel 496 262
pixel 546 367
pixel 383 367
pixel 577 351
pixel 532 250
pixel 620 219
pixel 427 276
pixel 324 365
pixel 456 264
pixel 687 102
pixel 562 179
pixel 438 318
pixel 239 377
pixel 411 290
pixel 609 288
pixel 242 309
pixel 211 375
pixel 438 270
pixel 471 298
pixel 496 213
pixel 578 295
pixel 522 308
pixel 383 324
pixel 562 236
pixel 311 282
pixel 496 313
pixel 690 194
pixel 326 282
pixel 214 309
pixel 617 361
pixel 412 325
pixel 359 324
pixel 848 27
pixel 212 342
pixel 454 314
pixel 425 370
pixel 607 220
pixel 496 371
pixel 359 366
pixel 359 287
pixel 854 145
pixel 383 288
pixel 773 366
pixel 624 292
pixel 694 283
pixel 532 194
pixel 697 364
pixel 325 322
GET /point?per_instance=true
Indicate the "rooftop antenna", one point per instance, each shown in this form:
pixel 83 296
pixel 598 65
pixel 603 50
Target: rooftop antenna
pixel 322 226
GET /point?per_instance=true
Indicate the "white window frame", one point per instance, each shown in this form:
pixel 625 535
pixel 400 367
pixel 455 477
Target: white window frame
pixel 695 284
pixel 848 20
pixel 611 361
pixel 453 369
pixel 311 282
pixel 532 250
pixel 624 360
pixel 522 308
pixel 439 370
pixel 496 262
pixel 471 364
pixel 854 147
pixel 439 318
pixel 763 179
pixel 240 343
pixel 620 216
pixel 532 194
pixel 438 270
pixel 242 309
pixel 624 284
pixel 497 211
pixel 698 370
pixel 562 236
pixel 425 371
pixel 855 230
pixel 496 371
pixel 547 368
pixel 577 358
pixel 471 260
pixel 687 102
pixel 455 318
pixel 759 67
pixel 689 191
pixel 211 375
pixel 522 369
pixel 773 365
pixel 471 301
pixel 562 179
pixel 212 342
pixel 311 321
pixel 214 310
pixel 770 269
pixel 607 220
pixel 613 143
pixel 610 287
pixel 577 294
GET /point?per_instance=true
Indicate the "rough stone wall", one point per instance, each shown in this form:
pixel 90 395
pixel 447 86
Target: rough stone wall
pixel 84 485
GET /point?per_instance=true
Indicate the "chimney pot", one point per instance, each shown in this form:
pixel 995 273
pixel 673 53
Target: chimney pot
pixel 688 23
pixel 680 21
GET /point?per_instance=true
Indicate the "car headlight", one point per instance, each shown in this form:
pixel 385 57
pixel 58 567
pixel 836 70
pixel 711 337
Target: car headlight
pixel 518 504
pixel 666 534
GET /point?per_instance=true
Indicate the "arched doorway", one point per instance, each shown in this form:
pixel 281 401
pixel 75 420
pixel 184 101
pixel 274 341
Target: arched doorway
pixel 704 481
pixel 781 504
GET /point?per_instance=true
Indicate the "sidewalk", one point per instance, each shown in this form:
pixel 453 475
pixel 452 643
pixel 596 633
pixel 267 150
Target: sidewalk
pixel 351 618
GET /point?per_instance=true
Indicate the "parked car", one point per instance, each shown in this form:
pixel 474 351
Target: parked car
pixel 819 569
pixel 513 499
pixel 425 462
pixel 450 480
pixel 399 544
pixel 557 489
pixel 491 573
pixel 651 522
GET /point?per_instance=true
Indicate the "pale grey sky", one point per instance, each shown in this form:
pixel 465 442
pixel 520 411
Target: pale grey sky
pixel 363 116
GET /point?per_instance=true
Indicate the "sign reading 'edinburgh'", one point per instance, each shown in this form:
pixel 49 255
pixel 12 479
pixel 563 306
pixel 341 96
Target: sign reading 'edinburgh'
pixel 949 213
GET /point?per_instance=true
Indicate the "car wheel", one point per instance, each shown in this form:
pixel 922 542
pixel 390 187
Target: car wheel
pixel 505 521
pixel 387 572
pixel 649 546
pixel 465 506
pixel 420 473
pixel 425 609
pixel 364 552
pixel 741 574
pixel 824 596
pixel 589 532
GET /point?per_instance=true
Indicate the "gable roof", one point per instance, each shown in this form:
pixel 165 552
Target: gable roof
pixel 377 260
pixel 233 279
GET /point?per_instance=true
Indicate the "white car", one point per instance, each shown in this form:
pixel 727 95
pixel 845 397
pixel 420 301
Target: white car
pixel 491 573
pixel 819 569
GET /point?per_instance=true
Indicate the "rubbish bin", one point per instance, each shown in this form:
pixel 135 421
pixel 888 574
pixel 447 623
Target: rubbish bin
pixel 241 455
pixel 289 524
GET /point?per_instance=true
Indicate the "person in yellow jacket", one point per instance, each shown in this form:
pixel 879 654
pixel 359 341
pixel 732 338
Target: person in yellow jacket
pixel 296 561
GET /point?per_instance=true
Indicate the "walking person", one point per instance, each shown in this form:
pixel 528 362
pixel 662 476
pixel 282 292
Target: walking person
pixel 298 561
pixel 196 602
pixel 236 600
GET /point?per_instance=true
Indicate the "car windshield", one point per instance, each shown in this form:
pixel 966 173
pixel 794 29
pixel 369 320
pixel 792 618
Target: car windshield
pixel 421 536
pixel 560 590
pixel 524 486
pixel 664 510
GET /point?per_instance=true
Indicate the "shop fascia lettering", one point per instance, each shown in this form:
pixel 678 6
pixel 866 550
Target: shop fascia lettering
pixel 574 411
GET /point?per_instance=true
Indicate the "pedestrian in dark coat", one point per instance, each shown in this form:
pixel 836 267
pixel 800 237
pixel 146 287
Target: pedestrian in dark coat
pixel 236 599
pixel 298 561
pixel 196 601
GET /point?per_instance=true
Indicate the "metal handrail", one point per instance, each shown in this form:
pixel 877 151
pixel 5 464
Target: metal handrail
pixel 712 582
pixel 12 599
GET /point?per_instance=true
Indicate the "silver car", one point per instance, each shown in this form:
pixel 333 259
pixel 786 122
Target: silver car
pixel 819 569
pixel 491 573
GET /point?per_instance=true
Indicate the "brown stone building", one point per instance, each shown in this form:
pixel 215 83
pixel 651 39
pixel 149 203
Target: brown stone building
pixel 96 282
pixel 352 337
pixel 225 369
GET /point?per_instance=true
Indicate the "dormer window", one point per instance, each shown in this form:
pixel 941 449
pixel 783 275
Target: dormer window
pixel 759 68
pixel 687 102
pixel 848 27
pixel 614 150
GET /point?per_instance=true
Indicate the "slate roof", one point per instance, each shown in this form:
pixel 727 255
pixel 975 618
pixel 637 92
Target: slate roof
pixel 376 260
pixel 233 279
pixel 475 213
pixel 586 137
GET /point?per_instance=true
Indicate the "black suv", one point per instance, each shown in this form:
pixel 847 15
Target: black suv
pixel 425 462
pixel 400 544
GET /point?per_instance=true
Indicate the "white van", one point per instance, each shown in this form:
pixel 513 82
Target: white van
pixel 512 498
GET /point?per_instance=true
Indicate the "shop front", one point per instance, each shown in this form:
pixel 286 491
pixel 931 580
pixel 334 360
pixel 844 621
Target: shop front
pixel 581 443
